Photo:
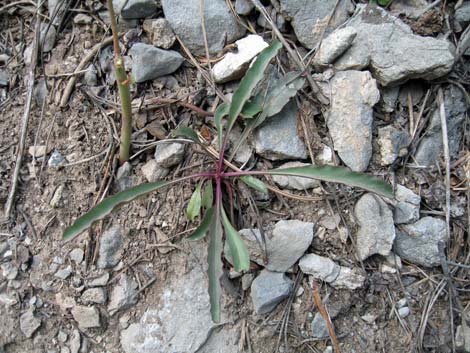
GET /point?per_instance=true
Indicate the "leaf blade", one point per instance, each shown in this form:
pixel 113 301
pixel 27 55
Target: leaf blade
pixel 221 111
pixel 207 195
pixel 238 250
pixel 338 175
pixel 184 131
pixel 201 231
pixel 254 183
pixel 215 265
pixel 194 204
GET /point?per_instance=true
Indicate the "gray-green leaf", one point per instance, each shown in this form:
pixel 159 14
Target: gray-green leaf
pixel 215 265
pixel 207 195
pixel 194 205
pixel 201 231
pixel 238 250
pixel 254 183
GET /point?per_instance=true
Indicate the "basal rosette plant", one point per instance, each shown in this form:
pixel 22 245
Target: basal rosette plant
pixel 208 195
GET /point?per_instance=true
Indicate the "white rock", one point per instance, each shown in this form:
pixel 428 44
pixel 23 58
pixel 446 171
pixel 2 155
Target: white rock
pixel 234 65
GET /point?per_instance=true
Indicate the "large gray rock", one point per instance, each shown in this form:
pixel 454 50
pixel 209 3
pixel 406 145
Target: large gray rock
pixel 309 18
pixel 294 182
pixel 268 290
pixel 462 14
pixel 277 138
pixel 419 241
pixel 149 62
pixel 135 9
pixel 184 17
pixel 123 296
pixel 324 269
pixel 110 247
pixel 284 245
pixel 376 229
pixel 349 120
pixel 391 51
pixel 407 207
pixel 431 145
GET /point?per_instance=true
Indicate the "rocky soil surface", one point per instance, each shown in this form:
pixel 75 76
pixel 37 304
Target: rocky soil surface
pixel 385 93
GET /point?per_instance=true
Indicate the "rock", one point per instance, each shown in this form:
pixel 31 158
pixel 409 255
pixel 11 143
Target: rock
pixel 333 46
pixel 419 241
pixel 123 296
pixel 349 119
pixel 29 323
pixel 221 26
pixel 86 317
pixel 123 24
pixel 57 197
pixel 325 156
pixel 4 78
pixel 462 14
pixel 268 290
pixel 9 270
pixel 110 247
pixel 48 37
pixel 319 327
pixel 99 281
pixel 56 159
pixel 123 177
pixel 76 255
pixel 407 207
pixel 284 245
pixel 293 182
pixel 90 78
pixel 64 302
pixel 149 62
pixel 277 137
pixel 62 336
pixel 82 19
pixel 245 151
pixel 244 7
pixel 37 151
pixel 431 147
pixel 153 172
pixel 7 299
pixel 247 280
pixel 64 273
pixel 159 32
pixel 388 47
pixel 392 143
pixel 234 64
pixel 403 312
pixel 376 229
pixel 309 18
pixel 75 342
pixel 94 296
pixel 324 269
pixel 56 9
pixel 135 9
pixel 168 155
pixel 389 98
pixel 462 337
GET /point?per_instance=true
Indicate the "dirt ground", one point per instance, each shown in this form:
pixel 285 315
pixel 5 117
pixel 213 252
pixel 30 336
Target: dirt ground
pixel 155 254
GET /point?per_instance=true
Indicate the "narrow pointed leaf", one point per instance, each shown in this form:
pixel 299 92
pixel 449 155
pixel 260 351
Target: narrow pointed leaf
pixel 221 111
pixel 238 250
pixel 207 195
pixel 249 82
pixel 201 231
pixel 184 131
pixel 339 175
pixel 215 265
pixel 284 89
pixel 105 207
pixel 194 205
pixel 250 109
pixel 254 183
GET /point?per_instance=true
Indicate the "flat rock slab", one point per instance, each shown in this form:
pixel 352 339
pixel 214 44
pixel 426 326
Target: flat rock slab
pixel 221 26
pixel 376 229
pixel 294 182
pixel 277 137
pixel 110 247
pixel 310 18
pixel 268 290
pixel 349 119
pixel 388 47
pixel 419 241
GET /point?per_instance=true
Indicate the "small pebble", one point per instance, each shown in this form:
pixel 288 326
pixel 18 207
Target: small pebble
pixel 404 312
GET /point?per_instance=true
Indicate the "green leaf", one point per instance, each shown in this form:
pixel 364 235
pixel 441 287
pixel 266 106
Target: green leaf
pixel 254 183
pixel 201 231
pixel 249 82
pixel 240 256
pixel 194 205
pixel 250 109
pixel 184 131
pixel 284 89
pixel 105 207
pixel 207 195
pixel 220 112
pixel 338 175
pixel 215 264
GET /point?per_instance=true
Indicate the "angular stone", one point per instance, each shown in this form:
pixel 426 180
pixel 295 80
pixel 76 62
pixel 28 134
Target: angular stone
pixel 235 64
pixel 153 172
pixel 159 32
pixel 135 9
pixel 391 51
pixel 86 317
pixel 407 207
pixel 376 229
pixel 419 241
pixel 244 7
pixel 333 46
pixel 462 14
pixel 392 143
pixel 221 26
pixel 110 247
pixel 123 296
pixel 309 18
pixel 48 37
pixel 76 255
pixel 349 119
pixel 149 62
pixel 29 323
pixel 293 182
pixel 268 290
pixel 277 137
pixel 168 155
pixel 431 147
pixel 94 296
